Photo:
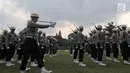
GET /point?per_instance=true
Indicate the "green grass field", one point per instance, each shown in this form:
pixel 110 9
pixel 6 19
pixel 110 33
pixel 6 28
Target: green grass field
pixel 63 64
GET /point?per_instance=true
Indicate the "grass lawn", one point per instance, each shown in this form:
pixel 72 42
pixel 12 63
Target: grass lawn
pixel 63 64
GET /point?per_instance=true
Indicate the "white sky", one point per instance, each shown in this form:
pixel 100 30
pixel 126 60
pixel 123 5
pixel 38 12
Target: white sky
pixel 66 13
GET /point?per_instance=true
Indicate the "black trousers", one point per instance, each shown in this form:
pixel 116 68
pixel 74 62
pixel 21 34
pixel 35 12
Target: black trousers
pixel 100 52
pixel 10 52
pixel 43 50
pixel 20 52
pixel 71 49
pixel 115 50
pixel 81 55
pixel 121 49
pixel 51 49
pixel 87 49
pixel 81 51
pixel 129 51
pixel 33 58
pixel 31 46
pixel 54 50
pixel 75 54
pixel 76 50
pixel 47 50
pixel 125 50
pixel 108 49
pixel 93 51
pixel 3 52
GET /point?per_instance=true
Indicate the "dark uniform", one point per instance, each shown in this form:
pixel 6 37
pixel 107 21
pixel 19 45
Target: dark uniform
pixel 129 41
pixel 107 45
pixel 22 35
pixel 94 49
pixel 75 44
pixel 44 43
pixel 71 45
pixel 31 44
pixel 3 46
pixel 81 43
pixel 124 44
pixel 115 42
pixel 100 44
pixel 12 40
pixel 90 42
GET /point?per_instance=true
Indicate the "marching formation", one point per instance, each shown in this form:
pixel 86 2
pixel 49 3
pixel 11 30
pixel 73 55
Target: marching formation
pixel 113 43
pixel 33 44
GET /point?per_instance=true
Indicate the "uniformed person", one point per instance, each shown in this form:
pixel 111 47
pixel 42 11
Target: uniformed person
pixel 3 46
pixel 100 45
pixel 81 42
pixel 54 46
pixel 115 41
pixel 12 40
pixel 124 44
pixel 94 49
pixel 44 44
pixel 47 46
pixel 87 49
pixel 90 44
pixel 107 45
pixel 75 44
pixel 129 42
pixel 31 44
pixel 51 46
pixel 71 45
pixel 22 35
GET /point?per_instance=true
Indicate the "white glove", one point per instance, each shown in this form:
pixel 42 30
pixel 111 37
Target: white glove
pixel 52 24
pixel 101 47
pixel 128 45
pixel 19 48
pixel 38 44
pixel 8 48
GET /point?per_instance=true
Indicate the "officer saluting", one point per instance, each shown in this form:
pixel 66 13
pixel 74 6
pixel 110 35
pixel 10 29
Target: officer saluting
pixel 31 45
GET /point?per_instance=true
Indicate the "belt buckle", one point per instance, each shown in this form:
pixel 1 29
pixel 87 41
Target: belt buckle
pixel 30 37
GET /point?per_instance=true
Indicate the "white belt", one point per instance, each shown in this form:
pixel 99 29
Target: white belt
pixel 30 37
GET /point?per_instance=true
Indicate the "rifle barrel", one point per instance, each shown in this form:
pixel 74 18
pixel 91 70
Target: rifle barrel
pixel 2 29
pixel 72 30
pixel 76 27
pixel 8 26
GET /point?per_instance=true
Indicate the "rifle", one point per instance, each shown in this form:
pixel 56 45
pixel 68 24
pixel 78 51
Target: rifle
pixel 19 30
pixel 9 27
pixel 91 30
pixel 94 26
pixel 71 30
pixel 2 29
pixel 118 27
pixel 76 27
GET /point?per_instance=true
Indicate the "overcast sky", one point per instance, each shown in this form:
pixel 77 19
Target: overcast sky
pixel 64 12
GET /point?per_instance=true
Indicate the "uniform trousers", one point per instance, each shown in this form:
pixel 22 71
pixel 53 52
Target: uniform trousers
pixel 31 46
